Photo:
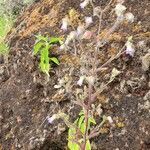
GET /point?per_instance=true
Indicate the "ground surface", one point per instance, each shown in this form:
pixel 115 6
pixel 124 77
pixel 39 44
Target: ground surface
pixel 26 99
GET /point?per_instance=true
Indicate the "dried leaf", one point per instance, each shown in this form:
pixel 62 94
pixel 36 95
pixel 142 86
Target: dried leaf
pixel 74 17
pixel 146 62
pixel 87 35
pixel 114 74
pixel 120 124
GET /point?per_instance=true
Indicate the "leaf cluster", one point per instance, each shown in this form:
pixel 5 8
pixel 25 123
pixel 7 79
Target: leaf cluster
pixel 76 135
pixel 42 47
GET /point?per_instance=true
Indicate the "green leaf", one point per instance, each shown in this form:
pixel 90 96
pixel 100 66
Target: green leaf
pixel 88 145
pixel 4 49
pixel 54 40
pixel 46 56
pixel 47 68
pixel 83 127
pixel 81 113
pixel 71 135
pixel 92 120
pixel 55 60
pixel 42 66
pixel 44 61
pixel 80 121
pixel 73 146
pixel 37 47
pixel 42 38
pixel 43 45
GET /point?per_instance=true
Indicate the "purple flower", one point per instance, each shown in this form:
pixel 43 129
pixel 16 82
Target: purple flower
pixel 51 119
pixel 88 21
pixel 84 4
pixel 80 81
pixel 130 49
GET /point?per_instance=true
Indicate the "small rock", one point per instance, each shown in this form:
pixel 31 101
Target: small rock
pixel 146 105
pixel 134 83
pixel 61 128
pixel 99 109
pixel 147 96
pixel 93 146
pixel 141 44
pixel 109 118
pixel 1 70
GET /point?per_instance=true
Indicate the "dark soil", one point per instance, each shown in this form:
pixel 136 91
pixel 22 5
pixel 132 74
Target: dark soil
pixel 26 99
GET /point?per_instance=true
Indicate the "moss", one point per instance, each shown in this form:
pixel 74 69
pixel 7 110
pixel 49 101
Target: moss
pixel 5 26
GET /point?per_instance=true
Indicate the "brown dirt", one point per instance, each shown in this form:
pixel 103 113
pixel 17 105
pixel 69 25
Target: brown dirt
pixel 26 99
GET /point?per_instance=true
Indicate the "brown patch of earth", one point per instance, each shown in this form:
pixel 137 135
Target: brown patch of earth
pixel 26 99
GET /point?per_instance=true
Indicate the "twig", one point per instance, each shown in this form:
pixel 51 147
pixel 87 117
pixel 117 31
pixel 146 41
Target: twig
pixel 107 6
pixel 75 48
pixel 86 114
pixel 95 132
pixel 101 16
pixel 80 103
pixel 91 1
pixel 100 23
pixel 111 59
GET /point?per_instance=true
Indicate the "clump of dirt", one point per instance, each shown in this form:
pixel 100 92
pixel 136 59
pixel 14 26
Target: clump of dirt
pixel 26 99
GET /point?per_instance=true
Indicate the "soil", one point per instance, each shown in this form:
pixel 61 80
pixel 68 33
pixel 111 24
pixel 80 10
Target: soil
pixel 26 99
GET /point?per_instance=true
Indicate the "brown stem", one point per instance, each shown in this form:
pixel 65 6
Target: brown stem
pixel 86 128
pixel 80 103
pixel 86 113
pixel 101 15
pixel 111 59
pixel 96 132
pixel 107 7
pixel 100 23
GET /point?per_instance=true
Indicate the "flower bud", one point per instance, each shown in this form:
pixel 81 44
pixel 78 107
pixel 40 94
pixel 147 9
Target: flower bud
pixel 80 81
pixel 110 119
pixel 65 23
pixel 130 48
pixel 51 119
pixel 84 4
pixel 72 36
pixel 129 17
pixel 63 46
pixel 80 30
pixel 88 21
pixel 90 80
pixel 97 10
pixel 120 9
